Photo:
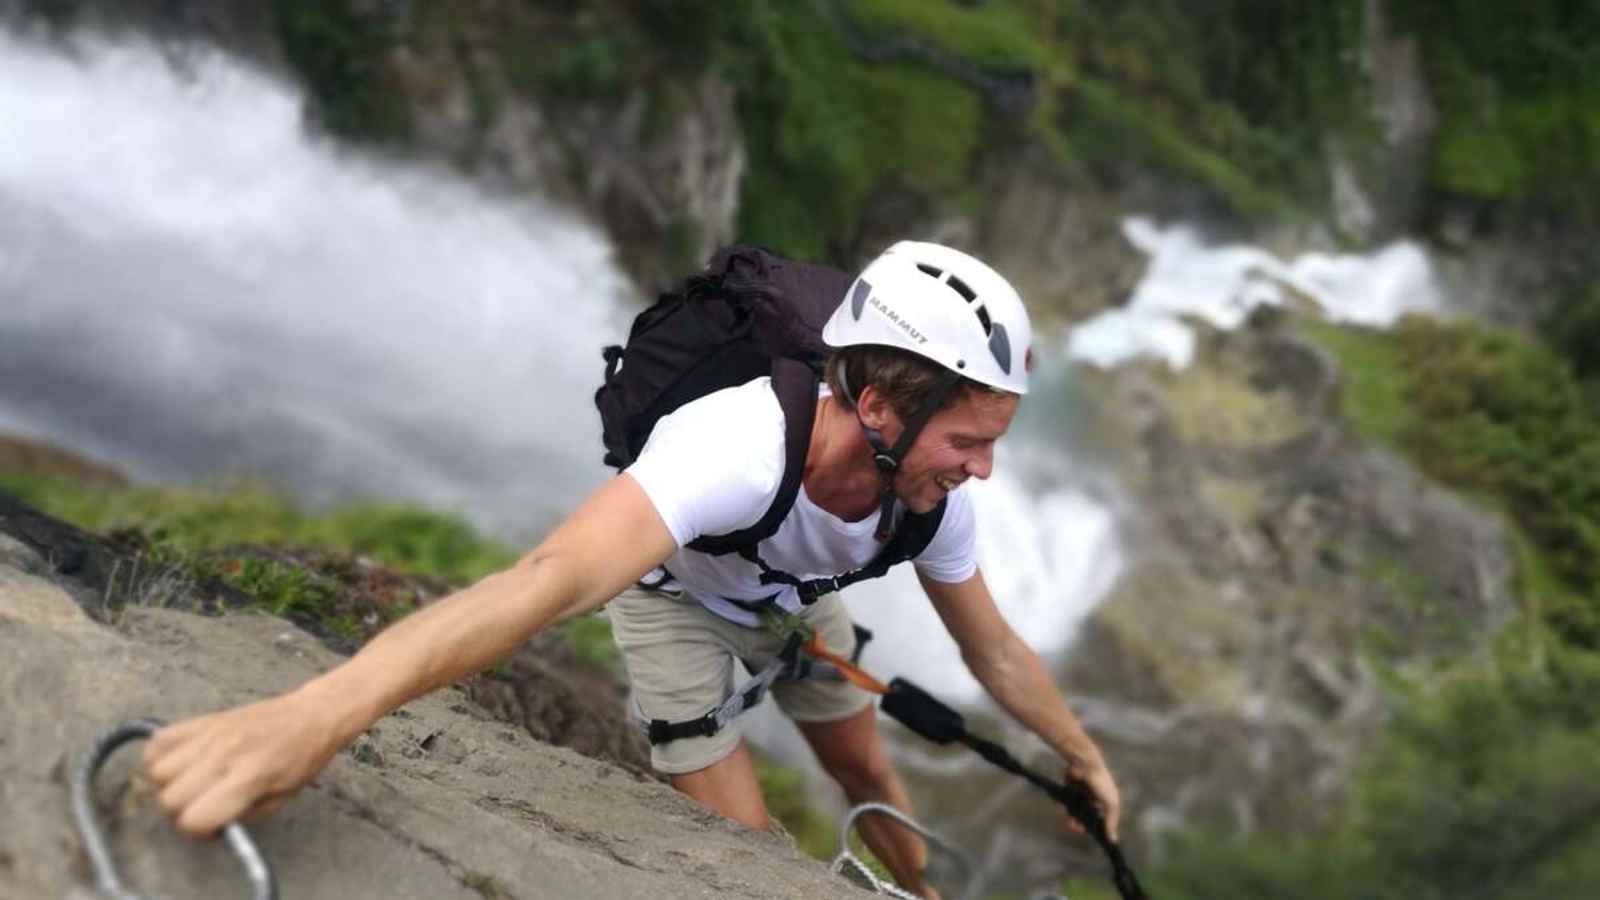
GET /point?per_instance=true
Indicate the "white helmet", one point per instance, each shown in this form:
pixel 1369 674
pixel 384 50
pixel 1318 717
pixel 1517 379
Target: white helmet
pixel 942 304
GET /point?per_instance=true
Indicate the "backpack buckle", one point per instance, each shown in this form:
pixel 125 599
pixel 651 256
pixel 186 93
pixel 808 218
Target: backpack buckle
pixel 817 588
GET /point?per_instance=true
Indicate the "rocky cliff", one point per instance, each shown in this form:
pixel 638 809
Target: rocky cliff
pixel 1280 558
pixel 445 797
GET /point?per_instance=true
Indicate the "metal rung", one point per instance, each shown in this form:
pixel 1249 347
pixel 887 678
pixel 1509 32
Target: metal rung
pixel 107 881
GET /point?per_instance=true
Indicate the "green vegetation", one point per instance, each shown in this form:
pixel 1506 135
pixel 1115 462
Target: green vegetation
pixel 1485 784
pixel 1520 108
pixel 1573 330
pixel 341 50
pixel 1239 96
pixel 999 37
pixel 204 548
pixel 1503 415
pixel 194 520
pixel 844 105
pixel 590 638
pixel 827 130
pixel 1503 418
pixel 1487 787
pixel 786 793
pixel 1372 381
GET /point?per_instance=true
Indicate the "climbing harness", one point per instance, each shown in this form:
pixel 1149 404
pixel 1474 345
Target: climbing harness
pixel 850 866
pixel 107 881
pixel 787 662
pixel 789 665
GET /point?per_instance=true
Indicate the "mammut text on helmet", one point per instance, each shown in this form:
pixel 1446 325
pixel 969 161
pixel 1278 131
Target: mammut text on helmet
pixel 893 316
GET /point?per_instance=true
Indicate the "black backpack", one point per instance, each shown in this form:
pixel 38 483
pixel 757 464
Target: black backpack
pixel 749 313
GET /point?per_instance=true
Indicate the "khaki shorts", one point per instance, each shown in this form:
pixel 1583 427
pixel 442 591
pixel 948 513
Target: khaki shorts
pixel 680 661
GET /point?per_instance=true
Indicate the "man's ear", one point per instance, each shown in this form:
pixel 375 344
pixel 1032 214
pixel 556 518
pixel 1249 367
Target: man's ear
pixel 873 407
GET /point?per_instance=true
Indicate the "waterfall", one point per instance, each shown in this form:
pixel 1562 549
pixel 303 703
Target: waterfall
pixel 190 286
pixel 1222 284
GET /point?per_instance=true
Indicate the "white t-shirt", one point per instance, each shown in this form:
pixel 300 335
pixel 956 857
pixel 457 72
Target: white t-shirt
pixel 714 466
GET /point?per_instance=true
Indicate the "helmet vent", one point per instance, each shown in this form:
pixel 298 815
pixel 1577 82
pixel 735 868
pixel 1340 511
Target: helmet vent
pixel 983 316
pixel 966 292
pixel 962 289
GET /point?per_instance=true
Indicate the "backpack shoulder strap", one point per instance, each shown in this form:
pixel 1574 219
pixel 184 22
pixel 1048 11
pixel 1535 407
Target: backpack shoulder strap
pixel 913 535
pixel 796 384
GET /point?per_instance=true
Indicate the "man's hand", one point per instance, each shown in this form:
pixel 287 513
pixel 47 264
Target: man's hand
pixel 1099 780
pixel 248 761
pixel 244 762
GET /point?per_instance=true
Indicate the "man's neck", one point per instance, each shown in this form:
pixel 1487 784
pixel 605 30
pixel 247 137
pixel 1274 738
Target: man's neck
pixel 840 476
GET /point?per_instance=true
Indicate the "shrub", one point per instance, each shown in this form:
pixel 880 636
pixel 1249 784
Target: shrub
pixel 1500 414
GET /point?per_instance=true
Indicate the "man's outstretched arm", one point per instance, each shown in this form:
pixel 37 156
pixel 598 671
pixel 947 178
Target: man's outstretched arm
pixel 214 769
pixel 1019 681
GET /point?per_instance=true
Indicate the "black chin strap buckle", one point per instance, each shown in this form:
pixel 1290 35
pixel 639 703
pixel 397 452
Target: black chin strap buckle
pixel 887 461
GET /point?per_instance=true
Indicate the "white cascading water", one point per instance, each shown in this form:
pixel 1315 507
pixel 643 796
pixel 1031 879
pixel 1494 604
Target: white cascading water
pixel 189 286
pixel 1221 285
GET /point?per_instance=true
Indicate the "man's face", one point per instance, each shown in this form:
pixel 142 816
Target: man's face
pixel 956 444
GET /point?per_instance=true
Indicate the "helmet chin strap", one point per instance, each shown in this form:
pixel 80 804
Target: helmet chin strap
pixel 888 459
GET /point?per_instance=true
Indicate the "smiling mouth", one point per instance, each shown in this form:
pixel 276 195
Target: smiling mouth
pixel 947 484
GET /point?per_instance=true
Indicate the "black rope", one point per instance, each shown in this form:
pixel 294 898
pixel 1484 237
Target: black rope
pixel 1080 804
pixel 925 714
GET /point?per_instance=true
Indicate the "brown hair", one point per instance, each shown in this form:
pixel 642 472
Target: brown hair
pixel 905 378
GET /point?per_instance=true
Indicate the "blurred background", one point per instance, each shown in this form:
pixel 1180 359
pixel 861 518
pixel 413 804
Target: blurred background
pixel 1305 506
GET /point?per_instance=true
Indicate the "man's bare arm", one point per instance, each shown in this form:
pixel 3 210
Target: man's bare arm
pixel 213 769
pixel 1018 680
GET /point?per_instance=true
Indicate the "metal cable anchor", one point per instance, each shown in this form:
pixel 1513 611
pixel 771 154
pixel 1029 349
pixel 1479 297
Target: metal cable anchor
pixel 107 881
pixel 849 866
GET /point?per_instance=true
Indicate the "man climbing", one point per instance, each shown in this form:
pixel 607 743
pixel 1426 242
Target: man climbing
pixel 928 362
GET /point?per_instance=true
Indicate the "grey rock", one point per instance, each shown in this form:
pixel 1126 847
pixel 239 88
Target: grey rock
pixel 20 556
pixel 1229 676
pixel 473 816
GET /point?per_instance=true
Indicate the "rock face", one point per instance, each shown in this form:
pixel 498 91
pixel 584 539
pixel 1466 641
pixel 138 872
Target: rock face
pixel 439 799
pixel 1379 198
pixel 667 196
pixel 1062 246
pixel 1231 672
